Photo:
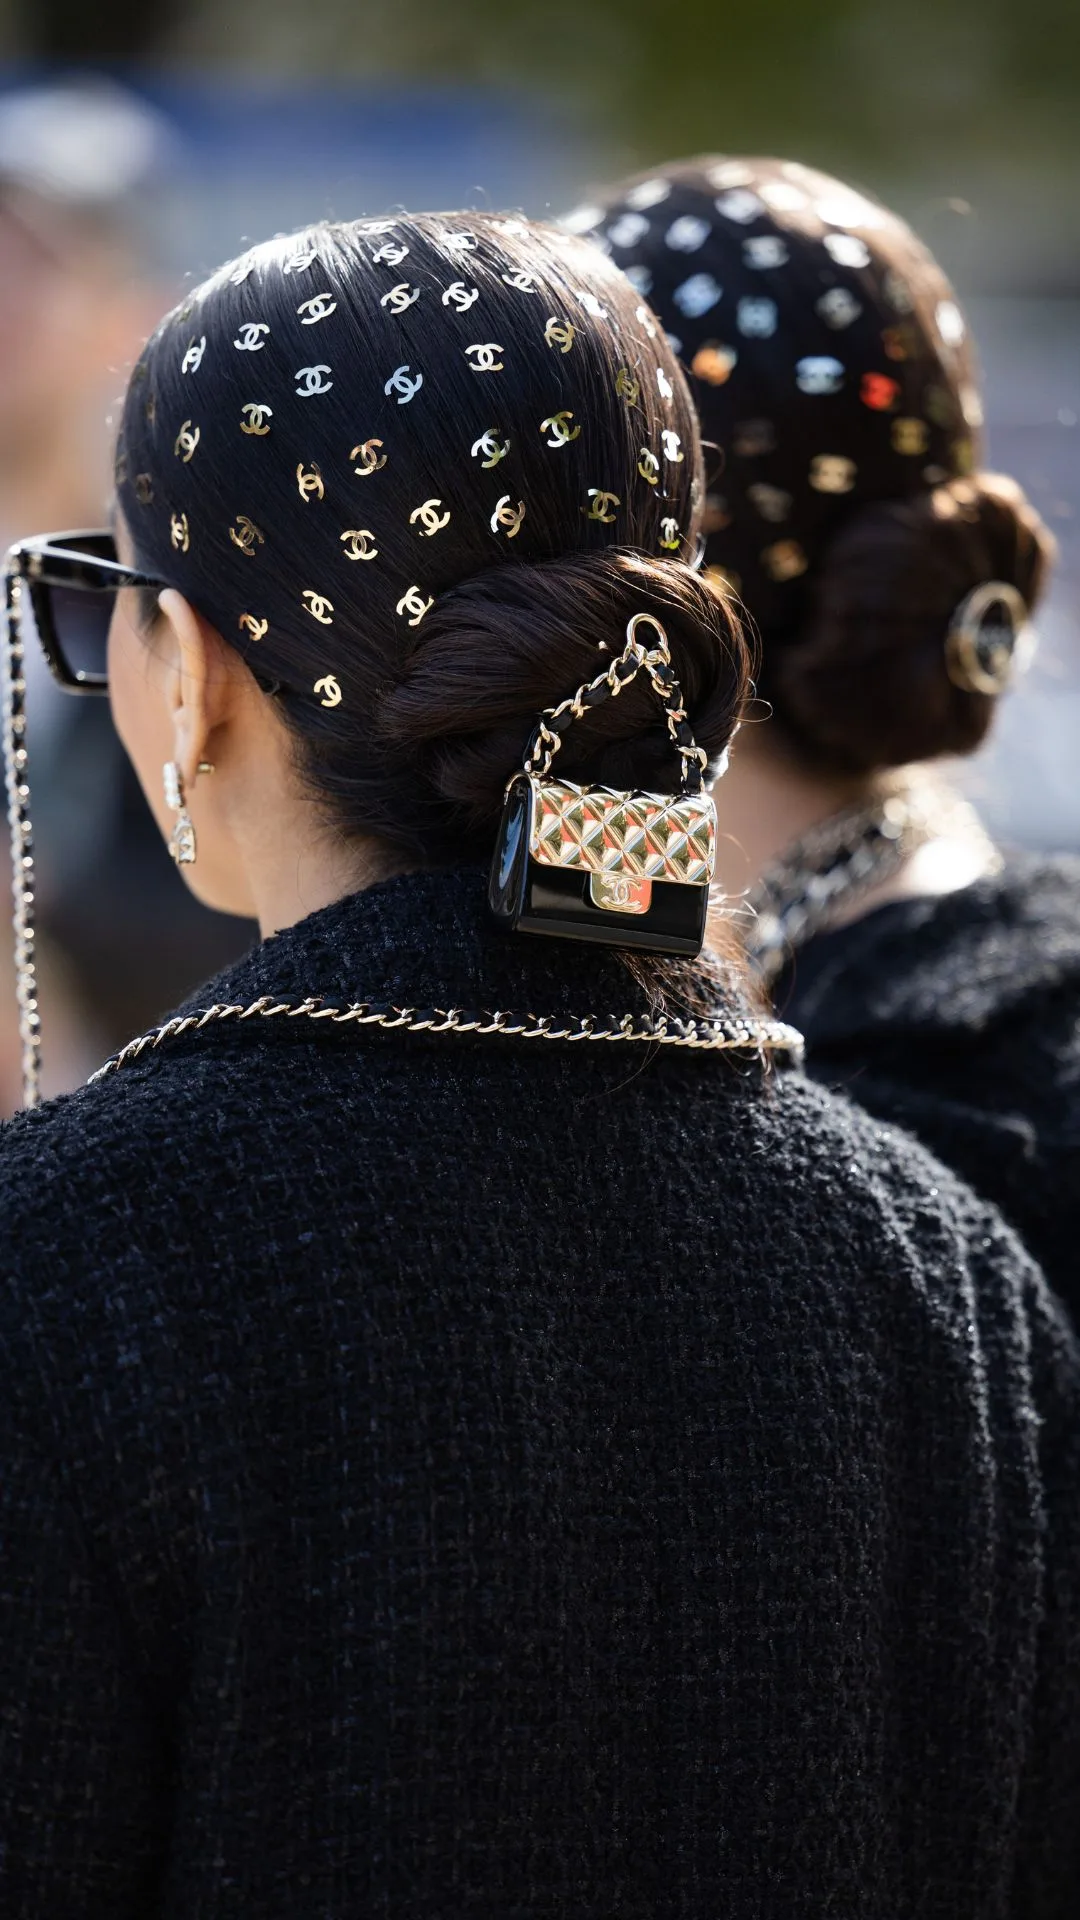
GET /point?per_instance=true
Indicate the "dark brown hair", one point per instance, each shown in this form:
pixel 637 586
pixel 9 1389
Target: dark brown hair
pixel 429 468
pixel 864 684
pixel 837 388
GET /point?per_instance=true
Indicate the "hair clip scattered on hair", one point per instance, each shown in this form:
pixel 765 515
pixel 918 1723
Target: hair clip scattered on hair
pixel 601 505
pixel 628 386
pixel 714 363
pixel 646 319
pixel 464 242
pixel 312 380
pixel 319 307
pixel 144 489
pixel 369 460
pixel 405 384
pixel 249 339
pixel 485 361
pixel 460 296
pixel 255 628
pixel 558 429
pixel 560 334
pixel 492 448
pixel 412 602
pixel 330 690
pixel 186 441
pixel 192 359
pixel 832 473
pixel 672 446
pixel 239 274
pixel 879 391
pixel 521 278
pixel 785 560
pixel 180 532
pixel 309 482
pixel 910 436
pixel 400 297
pixel 359 544
pixel 649 466
pixel 508 517
pixel 258 413
pixel 667 391
pixel 431 520
pixel 390 254
pixel 592 305
pixel 319 607
pixel 671 538
pixel 246 535
pixel 301 260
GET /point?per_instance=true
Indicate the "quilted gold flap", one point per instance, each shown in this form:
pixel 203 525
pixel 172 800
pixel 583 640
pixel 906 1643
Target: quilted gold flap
pixel 648 836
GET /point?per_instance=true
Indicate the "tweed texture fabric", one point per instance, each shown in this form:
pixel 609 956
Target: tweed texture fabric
pixel 959 1018
pixel 454 1478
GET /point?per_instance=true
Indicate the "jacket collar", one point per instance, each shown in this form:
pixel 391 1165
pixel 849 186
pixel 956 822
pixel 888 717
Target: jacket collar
pixel 428 939
pixel 960 961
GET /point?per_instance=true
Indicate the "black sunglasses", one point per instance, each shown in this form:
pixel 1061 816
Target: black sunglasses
pixel 71 581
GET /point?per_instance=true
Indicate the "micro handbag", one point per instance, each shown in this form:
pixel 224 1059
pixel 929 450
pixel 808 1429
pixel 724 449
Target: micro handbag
pixel 592 863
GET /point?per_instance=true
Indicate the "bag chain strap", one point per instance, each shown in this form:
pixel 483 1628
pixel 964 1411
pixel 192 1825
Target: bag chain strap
pixel 634 659
pixel 22 840
pixel 720 1034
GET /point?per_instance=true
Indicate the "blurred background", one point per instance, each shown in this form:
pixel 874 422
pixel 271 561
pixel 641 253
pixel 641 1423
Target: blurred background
pixel 142 144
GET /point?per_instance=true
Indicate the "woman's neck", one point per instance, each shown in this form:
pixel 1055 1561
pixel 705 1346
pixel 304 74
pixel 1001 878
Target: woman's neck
pixel 767 800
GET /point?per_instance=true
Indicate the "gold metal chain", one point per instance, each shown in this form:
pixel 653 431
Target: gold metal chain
pixel 634 659
pixel 721 1034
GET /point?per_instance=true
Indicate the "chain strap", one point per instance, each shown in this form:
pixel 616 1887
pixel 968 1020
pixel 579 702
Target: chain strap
pixel 720 1034
pixel 635 658
pixel 836 864
pixel 22 839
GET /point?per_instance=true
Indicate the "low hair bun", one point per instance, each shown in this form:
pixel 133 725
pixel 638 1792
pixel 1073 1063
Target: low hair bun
pixel 865 683
pixel 506 644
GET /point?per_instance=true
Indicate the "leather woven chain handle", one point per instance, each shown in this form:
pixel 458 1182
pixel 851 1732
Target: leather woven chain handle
pixel 635 658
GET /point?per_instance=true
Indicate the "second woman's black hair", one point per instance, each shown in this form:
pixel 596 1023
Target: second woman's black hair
pixel 348 446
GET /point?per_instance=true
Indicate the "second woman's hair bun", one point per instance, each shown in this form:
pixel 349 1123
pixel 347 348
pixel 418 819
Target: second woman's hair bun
pixel 866 682
pixel 498 650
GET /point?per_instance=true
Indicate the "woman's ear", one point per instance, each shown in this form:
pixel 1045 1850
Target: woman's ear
pixel 202 681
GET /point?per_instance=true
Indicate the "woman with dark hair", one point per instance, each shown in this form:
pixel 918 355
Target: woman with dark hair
pixel 892 582
pixel 430 1489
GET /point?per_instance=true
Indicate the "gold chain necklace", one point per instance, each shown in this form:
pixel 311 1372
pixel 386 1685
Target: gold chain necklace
pixel 823 875
pixel 722 1033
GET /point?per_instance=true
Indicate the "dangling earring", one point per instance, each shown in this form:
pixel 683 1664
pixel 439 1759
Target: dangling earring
pixel 182 838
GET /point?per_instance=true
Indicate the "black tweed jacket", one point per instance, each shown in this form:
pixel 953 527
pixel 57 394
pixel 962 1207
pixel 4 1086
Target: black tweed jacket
pixel 959 1018
pixel 449 1477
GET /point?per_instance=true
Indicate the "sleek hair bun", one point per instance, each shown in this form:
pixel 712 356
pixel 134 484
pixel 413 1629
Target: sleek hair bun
pixel 864 683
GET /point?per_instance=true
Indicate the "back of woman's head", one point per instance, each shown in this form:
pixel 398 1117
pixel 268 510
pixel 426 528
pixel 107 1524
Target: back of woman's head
pixel 836 387
pixel 417 472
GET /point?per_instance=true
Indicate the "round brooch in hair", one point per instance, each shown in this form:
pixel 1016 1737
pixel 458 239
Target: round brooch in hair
pixel 990 638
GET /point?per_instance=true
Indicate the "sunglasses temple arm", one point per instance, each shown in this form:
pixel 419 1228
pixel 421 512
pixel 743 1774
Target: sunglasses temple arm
pixel 13 713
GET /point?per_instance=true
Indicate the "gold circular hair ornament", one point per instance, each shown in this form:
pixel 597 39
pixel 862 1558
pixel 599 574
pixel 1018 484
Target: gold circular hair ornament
pixel 990 639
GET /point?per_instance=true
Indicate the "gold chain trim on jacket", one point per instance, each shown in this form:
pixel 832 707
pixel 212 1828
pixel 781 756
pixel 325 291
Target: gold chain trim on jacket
pixel 725 1033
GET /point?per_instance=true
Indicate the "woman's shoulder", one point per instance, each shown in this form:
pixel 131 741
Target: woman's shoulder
pixel 1005 948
